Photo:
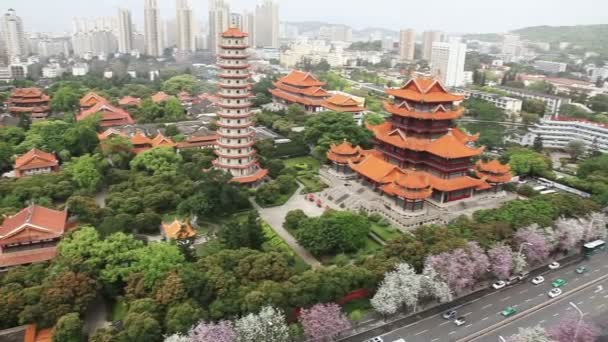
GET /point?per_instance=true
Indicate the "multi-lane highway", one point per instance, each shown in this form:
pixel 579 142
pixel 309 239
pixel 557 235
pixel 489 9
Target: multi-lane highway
pixel 485 323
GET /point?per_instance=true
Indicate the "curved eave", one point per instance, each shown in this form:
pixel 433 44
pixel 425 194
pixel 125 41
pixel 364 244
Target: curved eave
pixel 451 115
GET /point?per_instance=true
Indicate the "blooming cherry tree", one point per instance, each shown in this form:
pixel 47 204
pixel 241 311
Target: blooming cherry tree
pixel 595 226
pixel 433 286
pixel 535 245
pixel 400 287
pixel 222 331
pixel 569 233
pixel 268 325
pixel 323 322
pixel 501 260
pixel 535 334
pixel 566 329
pixel 177 338
pixel 479 259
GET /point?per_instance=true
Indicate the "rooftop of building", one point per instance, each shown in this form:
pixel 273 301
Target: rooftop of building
pixel 35 158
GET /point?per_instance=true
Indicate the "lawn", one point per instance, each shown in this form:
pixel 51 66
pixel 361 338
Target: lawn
pixel 312 183
pixel 303 163
pixel 119 310
pixel 385 233
pixel 275 243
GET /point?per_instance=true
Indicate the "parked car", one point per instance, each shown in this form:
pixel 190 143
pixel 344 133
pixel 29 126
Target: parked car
pixel 555 292
pixel 460 321
pixel 451 314
pixel 538 280
pixel 375 339
pixel 509 311
pixel 554 265
pixel 499 285
pixel 581 269
pixel 513 280
pixel 558 283
pixel 523 275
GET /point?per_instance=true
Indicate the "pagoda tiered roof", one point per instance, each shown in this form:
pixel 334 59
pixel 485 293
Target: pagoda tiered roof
pixel 298 78
pixel 33 223
pixel 343 103
pixel 493 171
pixel 129 101
pixel 438 113
pixel 91 99
pixel 234 32
pixel 449 146
pixel 29 100
pixel 35 159
pixel 424 90
pixel 344 152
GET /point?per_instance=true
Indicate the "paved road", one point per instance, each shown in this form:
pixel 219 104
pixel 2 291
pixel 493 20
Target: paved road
pixel 485 312
pixel 276 216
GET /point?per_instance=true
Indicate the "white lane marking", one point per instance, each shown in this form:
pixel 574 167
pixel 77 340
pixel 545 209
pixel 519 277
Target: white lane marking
pixel 451 332
pixel 444 323
pixel 529 299
pixel 541 322
pixel 474 300
pixel 601 306
pixel 468 313
pixel 606 296
pixel 487 306
pixel 591 297
pixel 579 303
pixel 467 326
pixel 483 319
pixel 516 305
pixel 506 298
pixel 576 279
pixel 540 295
pixel 524 291
pixel 422 332
pixel 555 315
pixel 568 308
pixel 596 271
pixel 435 340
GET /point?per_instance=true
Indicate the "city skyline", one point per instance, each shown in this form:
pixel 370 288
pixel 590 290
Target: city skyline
pixel 463 15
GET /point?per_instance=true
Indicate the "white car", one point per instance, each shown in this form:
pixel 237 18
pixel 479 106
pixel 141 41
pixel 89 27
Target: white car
pixel 399 340
pixel 554 292
pixel 375 339
pixel 499 285
pixel 538 280
pixel 554 265
pixel 460 321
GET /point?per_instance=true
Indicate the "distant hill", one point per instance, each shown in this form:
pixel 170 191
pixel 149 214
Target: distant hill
pixel 307 26
pixel 590 37
pixel 484 37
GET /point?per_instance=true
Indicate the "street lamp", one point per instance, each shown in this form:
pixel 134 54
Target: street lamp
pixel 580 320
pixel 521 248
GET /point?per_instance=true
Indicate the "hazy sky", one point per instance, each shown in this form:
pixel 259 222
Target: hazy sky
pixel 447 15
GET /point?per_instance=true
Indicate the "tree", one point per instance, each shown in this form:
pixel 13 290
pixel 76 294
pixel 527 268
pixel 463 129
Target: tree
pixel 173 111
pixel 157 161
pixel 533 106
pixel 177 338
pixel 374 119
pixel 141 327
pixel 155 261
pixel 454 268
pixel 501 260
pixel 68 328
pixel 180 83
pixel 535 245
pixel 537 145
pixel 268 325
pixel 86 209
pixel 433 287
pixel 293 219
pixel 569 233
pixel 567 328
pixel 331 127
pixel 248 234
pixel 575 149
pixel 534 334
pixel 599 103
pixel 223 331
pixel 528 162
pixel 401 287
pixel 118 150
pixel 65 99
pixel 542 87
pixel 333 232
pixel 180 317
pixel 323 322
pixel 85 171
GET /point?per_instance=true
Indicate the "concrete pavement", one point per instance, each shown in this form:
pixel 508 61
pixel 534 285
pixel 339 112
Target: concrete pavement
pixel 484 312
pixel 275 217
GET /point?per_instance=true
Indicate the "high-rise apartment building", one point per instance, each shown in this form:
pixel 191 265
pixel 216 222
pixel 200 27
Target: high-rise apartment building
pixel 186 40
pixel 219 21
pixel 13 38
pixel 153 29
pixel 428 38
pixel 447 62
pixel 267 24
pixel 249 27
pixel 235 152
pixel 125 31
pixel 95 36
pixel 407 44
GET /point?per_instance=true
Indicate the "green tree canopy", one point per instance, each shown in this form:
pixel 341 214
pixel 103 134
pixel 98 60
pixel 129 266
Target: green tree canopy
pixel 180 83
pixel 86 172
pixel 157 161
pixel 68 328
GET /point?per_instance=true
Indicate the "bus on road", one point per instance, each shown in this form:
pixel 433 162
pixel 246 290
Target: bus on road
pixel 593 247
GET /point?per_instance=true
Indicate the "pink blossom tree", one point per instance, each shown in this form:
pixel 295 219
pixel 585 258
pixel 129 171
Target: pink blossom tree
pixel 569 233
pixel 323 322
pixel 535 245
pixel 222 331
pixel 501 260
pixel 595 226
pixel 533 334
pixel 566 330
pixel 479 259
pixel 454 268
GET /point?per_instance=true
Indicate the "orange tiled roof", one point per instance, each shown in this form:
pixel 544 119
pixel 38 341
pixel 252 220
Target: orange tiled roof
pixel 29 256
pixel 438 113
pixel 454 184
pixel 424 90
pixel 199 141
pixel 308 91
pixel 91 99
pixel 234 32
pixel 394 189
pixel 159 97
pixel 140 139
pixel 464 137
pixel 109 133
pixel 33 223
pixel 493 166
pixel 129 101
pixel 374 168
pixel 301 79
pixel 110 115
pixel 259 175
pixel 341 103
pixel 178 230
pixel 28 93
pixel 344 152
pixel 34 159
pixel 162 141
pixel 294 98
pixel 450 147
